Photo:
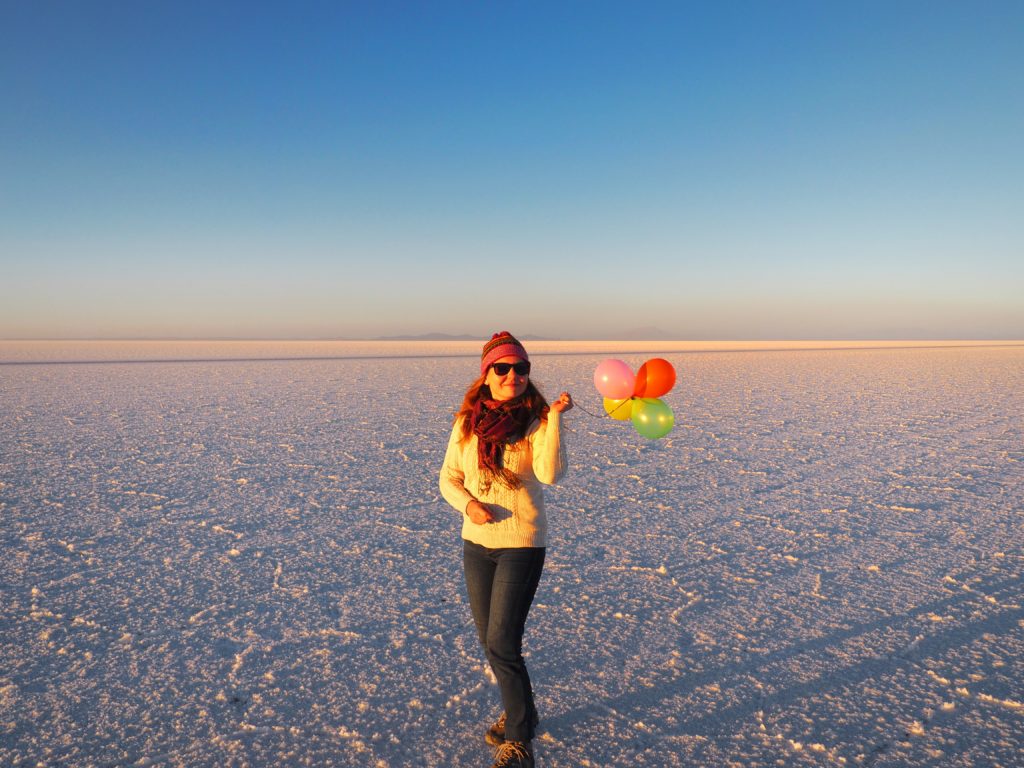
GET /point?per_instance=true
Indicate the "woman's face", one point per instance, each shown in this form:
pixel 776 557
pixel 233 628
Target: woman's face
pixel 508 386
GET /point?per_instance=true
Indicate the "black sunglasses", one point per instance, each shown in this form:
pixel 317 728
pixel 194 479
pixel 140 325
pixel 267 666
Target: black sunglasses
pixel 502 369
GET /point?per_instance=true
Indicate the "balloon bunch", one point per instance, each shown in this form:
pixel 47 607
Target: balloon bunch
pixel 634 397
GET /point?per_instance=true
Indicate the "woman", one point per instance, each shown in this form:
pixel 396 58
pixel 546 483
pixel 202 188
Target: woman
pixel 505 443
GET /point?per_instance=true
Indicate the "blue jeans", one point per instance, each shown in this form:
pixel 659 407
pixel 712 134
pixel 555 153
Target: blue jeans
pixel 501 584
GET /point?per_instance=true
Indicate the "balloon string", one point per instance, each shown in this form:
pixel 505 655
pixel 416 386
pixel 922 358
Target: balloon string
pixel 613 410
pixel 625 400
pixel 586 411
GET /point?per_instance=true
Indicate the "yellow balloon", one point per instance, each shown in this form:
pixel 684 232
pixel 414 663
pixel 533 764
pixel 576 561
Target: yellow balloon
pixel 620 410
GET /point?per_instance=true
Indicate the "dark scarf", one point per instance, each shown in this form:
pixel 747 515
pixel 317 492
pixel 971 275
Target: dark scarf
pixel 498 423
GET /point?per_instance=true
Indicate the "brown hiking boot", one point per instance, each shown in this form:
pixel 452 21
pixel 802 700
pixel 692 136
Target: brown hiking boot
pixel 513 754
pixel 495 735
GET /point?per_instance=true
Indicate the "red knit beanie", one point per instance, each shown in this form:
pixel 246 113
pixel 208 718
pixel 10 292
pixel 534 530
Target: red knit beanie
pixel 501 345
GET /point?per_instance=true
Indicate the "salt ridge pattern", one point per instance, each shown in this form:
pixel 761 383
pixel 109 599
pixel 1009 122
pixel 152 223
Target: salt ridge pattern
pixel 248 563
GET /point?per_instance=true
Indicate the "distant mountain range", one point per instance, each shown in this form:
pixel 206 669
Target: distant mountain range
pixel 646 333
pixel 452 337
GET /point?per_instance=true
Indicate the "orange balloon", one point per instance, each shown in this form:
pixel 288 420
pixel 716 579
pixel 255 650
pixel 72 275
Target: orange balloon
pixel 655 378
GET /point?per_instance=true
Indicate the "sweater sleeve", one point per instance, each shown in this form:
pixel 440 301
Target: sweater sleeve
pixel 549 456
pixel 453 477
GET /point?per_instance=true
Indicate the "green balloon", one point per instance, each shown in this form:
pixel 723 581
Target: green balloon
pixel 652 418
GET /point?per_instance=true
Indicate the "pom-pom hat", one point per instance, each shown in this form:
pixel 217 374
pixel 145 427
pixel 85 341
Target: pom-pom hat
pixel 502 344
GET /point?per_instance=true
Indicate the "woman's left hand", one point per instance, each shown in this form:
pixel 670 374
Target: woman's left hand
pixel 563 403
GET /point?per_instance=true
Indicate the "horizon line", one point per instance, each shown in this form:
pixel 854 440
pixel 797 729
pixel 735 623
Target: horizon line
pixel 428 338
pixel 621 348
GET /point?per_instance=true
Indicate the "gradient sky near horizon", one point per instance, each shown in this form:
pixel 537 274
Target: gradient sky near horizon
pixel 578 170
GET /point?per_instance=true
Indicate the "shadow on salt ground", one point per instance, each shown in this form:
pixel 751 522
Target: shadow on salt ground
pixel 723 723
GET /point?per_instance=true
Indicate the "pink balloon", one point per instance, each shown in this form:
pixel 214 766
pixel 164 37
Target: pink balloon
pixel 614 379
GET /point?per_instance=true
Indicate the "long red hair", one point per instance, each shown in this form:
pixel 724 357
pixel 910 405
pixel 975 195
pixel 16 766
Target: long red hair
pixel 478 390
pixel 535 404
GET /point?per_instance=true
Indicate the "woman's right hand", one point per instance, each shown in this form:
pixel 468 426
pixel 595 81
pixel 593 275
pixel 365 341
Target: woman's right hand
pixel 479 513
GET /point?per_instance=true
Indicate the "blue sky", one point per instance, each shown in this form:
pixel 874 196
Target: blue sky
pixel 309 170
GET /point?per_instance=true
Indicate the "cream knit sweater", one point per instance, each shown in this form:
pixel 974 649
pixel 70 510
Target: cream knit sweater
pixel 519 519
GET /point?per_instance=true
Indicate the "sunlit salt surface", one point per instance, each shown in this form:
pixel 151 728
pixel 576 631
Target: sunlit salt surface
pixel 248 564
pixel 106 351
